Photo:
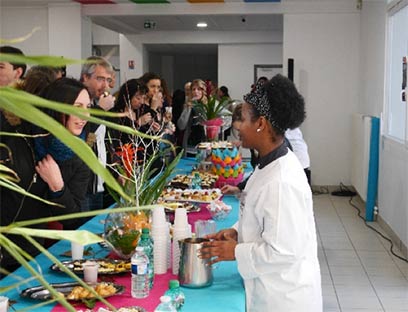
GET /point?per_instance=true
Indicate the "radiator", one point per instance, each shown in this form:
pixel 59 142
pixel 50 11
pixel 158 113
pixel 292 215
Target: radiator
pixel 365 149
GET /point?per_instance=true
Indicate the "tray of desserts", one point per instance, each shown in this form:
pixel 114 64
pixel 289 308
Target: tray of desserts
pixel 171 206
pixel 190 195
pixel 183 181
pixel 214 145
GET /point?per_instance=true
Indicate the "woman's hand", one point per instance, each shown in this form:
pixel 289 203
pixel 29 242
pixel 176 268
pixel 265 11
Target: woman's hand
pixel 223 235
pixel 145 119
pixel 156 126
pixel 222 248
pixel 50 172
pixel 157 101
pixel 230 190
pixel 106 102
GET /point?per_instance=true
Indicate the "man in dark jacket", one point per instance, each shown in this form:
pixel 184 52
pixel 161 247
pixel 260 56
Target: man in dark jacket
pixel 96 75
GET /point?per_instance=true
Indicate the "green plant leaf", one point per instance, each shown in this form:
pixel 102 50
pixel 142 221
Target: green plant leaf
pixel 212 109
pixel 45 60
pixel 29 112
pixel 7 183
pixel 89 303
pixel 79 236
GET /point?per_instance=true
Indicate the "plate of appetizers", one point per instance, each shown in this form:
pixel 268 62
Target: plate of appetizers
pixel 190 195
pixel 73 291
pixel 106 266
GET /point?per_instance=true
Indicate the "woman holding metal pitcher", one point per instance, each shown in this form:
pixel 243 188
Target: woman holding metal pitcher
pixel 274 241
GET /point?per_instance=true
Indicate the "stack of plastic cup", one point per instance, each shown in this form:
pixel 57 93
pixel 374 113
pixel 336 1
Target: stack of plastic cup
pixel 169 249
pixel 160 234
pixel 181 231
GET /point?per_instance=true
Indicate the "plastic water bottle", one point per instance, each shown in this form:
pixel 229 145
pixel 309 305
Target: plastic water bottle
pixel 196 181
pixel 140 274
pixel 165 305
pixel 147 243
pixel 176 295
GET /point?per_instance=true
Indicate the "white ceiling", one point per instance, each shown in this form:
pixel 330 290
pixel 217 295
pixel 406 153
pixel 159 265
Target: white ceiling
pixel 128 18
pixel 135 23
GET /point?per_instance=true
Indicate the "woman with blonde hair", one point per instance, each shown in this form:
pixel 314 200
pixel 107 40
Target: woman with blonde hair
pixel 189 119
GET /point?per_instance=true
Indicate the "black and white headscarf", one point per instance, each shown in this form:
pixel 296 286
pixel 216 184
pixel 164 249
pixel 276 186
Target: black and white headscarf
pixel 259 99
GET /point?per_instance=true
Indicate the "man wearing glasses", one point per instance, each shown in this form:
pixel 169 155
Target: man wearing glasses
pixel 96 75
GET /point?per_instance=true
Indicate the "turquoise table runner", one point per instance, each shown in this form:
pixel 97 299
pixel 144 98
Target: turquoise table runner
pixel 226 293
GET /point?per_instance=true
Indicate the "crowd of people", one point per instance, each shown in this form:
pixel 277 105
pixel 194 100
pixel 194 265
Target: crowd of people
pixel 49 169
pixel 274 240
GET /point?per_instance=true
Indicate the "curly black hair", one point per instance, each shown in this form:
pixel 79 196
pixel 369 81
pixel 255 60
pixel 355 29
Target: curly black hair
pixel 149 76
pixel 287 105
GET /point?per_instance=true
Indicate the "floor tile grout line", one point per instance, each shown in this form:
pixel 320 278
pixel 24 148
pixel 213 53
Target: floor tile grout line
pixel 381 240
pixel 328 266
pixel 355 250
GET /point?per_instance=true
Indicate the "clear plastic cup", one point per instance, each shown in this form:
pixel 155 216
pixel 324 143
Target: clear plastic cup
pixel 77 251
pixel 90 271
pixel 4 304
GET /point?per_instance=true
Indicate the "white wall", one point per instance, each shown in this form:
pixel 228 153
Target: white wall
pixel 86 37
pixel 18 22
pixel 236 64
pixel 372 58
pixel 393 187
pixel 130 51
pixel 326 50
pixel 104 36
pixel 59 25
pixel 64 26
pixel 393 175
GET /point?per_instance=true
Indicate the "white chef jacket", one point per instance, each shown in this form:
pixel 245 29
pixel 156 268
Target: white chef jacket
pixel 299 146
pixel 277 246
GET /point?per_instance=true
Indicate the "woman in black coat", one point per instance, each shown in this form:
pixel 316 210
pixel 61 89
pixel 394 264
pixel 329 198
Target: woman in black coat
pixel 46 167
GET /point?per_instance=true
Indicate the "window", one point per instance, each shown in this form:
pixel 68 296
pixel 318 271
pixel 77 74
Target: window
pixel 397 49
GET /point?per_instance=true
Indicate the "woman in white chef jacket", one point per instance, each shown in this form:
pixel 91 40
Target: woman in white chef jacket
pixel 274 241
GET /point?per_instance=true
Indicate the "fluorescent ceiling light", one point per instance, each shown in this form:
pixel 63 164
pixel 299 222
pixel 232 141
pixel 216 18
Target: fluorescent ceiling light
pixel 202 24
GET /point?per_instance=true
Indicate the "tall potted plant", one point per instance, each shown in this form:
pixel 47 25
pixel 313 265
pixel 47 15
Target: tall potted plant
pixel 211 113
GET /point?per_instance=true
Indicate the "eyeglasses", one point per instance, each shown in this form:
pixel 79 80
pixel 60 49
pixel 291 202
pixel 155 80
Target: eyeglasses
pixel 103 79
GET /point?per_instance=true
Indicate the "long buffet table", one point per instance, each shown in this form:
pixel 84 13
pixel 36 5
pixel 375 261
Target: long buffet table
pixel 225 294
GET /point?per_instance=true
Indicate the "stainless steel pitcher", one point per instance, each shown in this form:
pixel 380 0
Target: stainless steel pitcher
pixel 193 272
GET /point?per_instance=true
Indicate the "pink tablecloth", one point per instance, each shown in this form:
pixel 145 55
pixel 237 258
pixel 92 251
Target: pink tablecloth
pixel 160 281
pixel 125 300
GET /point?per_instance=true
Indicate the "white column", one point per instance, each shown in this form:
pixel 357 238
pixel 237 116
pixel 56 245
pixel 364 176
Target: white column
pixel 64 34
pixel 130 52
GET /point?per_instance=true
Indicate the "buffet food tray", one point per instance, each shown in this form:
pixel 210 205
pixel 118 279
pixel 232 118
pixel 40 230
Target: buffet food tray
pixel 214 145
pixel 190 195
pixel 106 266
pixel 69 289
pixel 183 181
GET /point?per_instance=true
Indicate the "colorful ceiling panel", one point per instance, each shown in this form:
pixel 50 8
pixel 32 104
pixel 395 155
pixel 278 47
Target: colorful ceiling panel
pixel 205 1
pixel 95 1
pixel 149 1
pixel 165 1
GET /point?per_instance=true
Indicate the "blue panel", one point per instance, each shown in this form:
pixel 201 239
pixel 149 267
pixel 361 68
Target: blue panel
pixel 372 183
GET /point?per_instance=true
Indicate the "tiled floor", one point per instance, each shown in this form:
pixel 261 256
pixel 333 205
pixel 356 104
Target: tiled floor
pixel 358 272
